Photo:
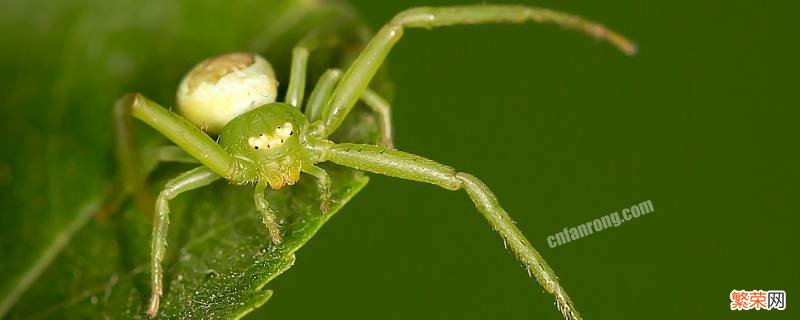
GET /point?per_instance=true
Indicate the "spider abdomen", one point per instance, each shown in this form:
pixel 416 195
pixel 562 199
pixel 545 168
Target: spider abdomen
pixel 220 88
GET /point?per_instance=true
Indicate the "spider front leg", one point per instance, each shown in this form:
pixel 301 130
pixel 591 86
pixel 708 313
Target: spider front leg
pixel 135 167
pixel 180 131
pixel 267 215
pixel 323 185
pixel 320 96
pixel 217 163
pixel 192 179
pixel 361 72
pixel 408 166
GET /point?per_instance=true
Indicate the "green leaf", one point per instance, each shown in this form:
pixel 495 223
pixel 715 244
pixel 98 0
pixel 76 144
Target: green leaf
pixel 70 60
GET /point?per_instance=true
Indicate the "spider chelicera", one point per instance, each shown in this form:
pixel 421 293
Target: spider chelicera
pixel 268 144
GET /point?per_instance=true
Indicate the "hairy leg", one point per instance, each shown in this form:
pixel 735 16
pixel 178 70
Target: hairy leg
pixel 408 166
pixel 323 185
pixel 360 73
pixel 192 179
pixel 267 215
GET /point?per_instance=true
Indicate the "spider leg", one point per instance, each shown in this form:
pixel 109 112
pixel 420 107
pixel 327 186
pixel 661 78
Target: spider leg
pixel 297 78
pixel 178 130
pixel 408 166
pixel 321 93
pixel 361 72
pixel 135 167
pixel 314 40
pixel 267 215
pixel 127 154
pixel 192 179
pixel 381 107
pixel 317 105
pixel 323 185
pixel 172 153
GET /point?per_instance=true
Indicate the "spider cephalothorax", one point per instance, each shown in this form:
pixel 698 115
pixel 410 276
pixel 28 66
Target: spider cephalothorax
pixel 268 143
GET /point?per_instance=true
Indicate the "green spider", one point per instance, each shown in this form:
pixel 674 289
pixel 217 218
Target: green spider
pixel 266 143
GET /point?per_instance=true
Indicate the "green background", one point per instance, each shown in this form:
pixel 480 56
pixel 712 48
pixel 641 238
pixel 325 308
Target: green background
pixel 703 122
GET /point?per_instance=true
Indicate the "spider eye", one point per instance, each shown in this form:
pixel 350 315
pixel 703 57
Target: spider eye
pixel 255 147
pixel 291 133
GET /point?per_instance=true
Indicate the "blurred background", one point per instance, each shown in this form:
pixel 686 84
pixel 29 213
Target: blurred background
pixel 703 122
